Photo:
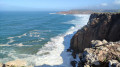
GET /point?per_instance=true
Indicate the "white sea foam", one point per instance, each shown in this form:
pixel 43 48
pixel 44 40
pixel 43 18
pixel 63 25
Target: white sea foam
pixel 11 40
pixel 33 33
pixel 42 38
pixel 36 33
pixel 25 34
pixel 54 52
pixel 20 44
pixel 52 13
pixel 4 45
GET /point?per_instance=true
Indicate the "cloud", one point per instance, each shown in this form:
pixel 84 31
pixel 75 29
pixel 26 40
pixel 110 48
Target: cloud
pixel 117 2
pixel 104 4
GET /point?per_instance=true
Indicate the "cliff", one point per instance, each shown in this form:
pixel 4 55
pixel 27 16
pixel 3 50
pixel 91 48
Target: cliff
pixel 100 26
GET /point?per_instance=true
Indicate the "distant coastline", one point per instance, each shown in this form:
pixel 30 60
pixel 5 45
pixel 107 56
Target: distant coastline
pixel 87 11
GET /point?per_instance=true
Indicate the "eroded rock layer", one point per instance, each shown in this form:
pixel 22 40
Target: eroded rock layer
pixel 100 26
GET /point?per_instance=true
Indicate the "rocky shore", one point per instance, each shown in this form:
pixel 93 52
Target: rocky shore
pixel 97 43
pixel 15 63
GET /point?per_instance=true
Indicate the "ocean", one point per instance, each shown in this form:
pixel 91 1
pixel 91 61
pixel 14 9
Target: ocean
pixel 40 38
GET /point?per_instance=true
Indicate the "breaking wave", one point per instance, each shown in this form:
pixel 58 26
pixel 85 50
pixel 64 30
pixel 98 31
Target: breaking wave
pixel 54 52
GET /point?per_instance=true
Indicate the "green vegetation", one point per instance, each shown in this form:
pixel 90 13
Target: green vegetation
pixel 16 66
pixel 22 66
pixel 12 66
pixel 105 59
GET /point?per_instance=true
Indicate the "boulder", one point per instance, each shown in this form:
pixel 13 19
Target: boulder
pixel 106 53
pixel 1 64
pixel 16 63
pixel 73 63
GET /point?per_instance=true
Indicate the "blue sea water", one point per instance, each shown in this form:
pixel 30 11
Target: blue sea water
pixel 36 35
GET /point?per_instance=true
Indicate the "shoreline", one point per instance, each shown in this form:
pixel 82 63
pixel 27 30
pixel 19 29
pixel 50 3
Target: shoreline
pixel 68 50
pixel 64 43
pixel 56 42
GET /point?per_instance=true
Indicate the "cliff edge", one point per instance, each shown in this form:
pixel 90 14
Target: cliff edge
pixel 100 26
pixel 97 44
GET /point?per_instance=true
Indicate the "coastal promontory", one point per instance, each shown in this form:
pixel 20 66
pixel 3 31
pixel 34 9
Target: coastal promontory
pixel 98 42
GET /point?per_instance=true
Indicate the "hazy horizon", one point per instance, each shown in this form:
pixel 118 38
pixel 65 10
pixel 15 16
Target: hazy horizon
pixel 55 5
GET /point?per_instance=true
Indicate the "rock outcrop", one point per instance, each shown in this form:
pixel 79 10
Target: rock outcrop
pixel 100 26
pixel 102 54
pixel 15 63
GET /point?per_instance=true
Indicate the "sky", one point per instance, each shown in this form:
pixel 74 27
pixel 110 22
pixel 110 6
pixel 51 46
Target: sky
pixel 56 5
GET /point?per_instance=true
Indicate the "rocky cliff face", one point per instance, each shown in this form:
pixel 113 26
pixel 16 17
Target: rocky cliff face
pixel 100 26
